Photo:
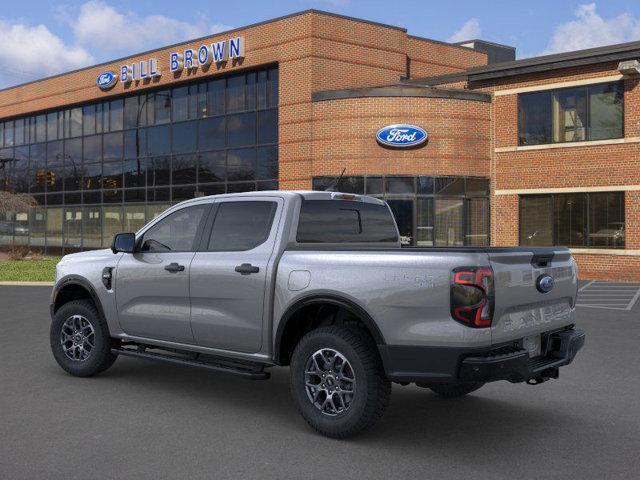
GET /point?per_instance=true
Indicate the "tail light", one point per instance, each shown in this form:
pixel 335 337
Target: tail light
pixel 472 296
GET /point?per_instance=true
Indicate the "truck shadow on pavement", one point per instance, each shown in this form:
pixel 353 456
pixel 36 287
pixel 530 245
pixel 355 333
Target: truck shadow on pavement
pixel 415 419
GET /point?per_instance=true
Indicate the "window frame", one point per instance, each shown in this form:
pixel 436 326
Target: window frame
pixel 197 242
pixel 588 221
pixel 552 93
pixel 208 230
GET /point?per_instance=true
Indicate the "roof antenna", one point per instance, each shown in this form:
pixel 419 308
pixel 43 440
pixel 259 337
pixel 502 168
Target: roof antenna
pixel 335 185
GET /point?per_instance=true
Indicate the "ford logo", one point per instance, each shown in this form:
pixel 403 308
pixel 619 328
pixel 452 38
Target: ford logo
pixel 401 136
pixel 545 283
pixel 106 80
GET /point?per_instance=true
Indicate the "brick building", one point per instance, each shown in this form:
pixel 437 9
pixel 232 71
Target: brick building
pixel 540 151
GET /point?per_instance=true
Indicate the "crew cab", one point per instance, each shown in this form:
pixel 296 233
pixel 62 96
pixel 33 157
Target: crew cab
pixel 316 281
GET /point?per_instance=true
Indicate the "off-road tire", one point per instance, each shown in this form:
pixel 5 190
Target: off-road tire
pixel 100 358
pixel 372 388
pixel 453 390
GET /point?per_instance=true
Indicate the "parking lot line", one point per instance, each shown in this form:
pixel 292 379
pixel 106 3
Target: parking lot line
pixel 609 296
pixel 634 300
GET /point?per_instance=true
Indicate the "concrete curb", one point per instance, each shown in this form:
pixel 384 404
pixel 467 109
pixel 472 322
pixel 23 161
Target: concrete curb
pixel 27 284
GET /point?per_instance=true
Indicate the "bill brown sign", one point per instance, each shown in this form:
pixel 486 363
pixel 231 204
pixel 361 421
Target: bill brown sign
pixel 189 59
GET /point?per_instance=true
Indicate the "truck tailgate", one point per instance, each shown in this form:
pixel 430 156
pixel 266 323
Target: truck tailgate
pixel 521 309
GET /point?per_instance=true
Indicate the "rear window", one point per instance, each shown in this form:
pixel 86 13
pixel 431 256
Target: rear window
pixel 337 221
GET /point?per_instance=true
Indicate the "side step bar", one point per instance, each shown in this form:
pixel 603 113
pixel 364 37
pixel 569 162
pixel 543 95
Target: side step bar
pixel 248 371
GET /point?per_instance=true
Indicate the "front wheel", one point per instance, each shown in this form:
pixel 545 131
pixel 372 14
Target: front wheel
pixel 338 382
pixel 80 339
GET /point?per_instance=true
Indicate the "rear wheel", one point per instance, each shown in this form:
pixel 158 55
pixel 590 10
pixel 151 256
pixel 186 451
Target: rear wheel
pixel 80 339
pixel 453 390
pixel 338 382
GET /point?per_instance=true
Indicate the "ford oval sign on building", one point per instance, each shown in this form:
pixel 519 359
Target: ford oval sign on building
pixel 106 80
pixel 401 136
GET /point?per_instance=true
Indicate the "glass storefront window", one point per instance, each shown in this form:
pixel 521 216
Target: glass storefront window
pixel 575 114
pixel 400 185
pixel 588 220
pixel 134 218
pixel 449 222
pixel 477 231
pixel 443 211
pixel 112 224
pixel 424 226
pixel 202 137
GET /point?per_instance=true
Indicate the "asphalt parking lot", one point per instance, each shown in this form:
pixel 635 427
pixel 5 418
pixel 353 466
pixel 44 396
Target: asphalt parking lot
pixel 146 420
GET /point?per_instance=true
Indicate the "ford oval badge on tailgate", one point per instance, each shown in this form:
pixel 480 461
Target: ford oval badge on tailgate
pixel 545 283
pixel 401 136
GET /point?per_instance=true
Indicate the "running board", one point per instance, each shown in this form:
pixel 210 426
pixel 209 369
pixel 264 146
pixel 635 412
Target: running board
pixel 241 371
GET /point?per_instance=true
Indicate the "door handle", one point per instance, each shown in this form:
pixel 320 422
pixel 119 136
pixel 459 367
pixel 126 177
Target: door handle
pixel 247 269
pixel 174 268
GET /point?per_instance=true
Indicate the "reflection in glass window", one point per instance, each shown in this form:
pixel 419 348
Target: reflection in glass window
pixel 594 220
pixel 211 133
pixel 536 220
pixel 267 167
pixel 400 185
pixel 111 224
pixel 37 226
pixel 212 167
pixel 130 115
pixel 424 227
pixel 158 140
pixel 449 216
pixel 92 148
pixel 241 164
pixel 268 126
pixel 73 227
pixel 606 220
pixel 176 232
pixel 74 156
pixel 235 93
pixel 112 145
pixel 241 129
pixel 183 169
pixel 92 227
pixel 576 114
pixel 162 107
pixel 184 137
pixel 606 107
pixel 180 103
pixel 89 120
pixel 477 231
pixel 570 115
pixel 134 218
pixel 215 97
pixel 116 115
pixel 241 225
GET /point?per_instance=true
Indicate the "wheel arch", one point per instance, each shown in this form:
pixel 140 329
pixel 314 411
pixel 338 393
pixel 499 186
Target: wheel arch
pixel 74 287
pixel 287 320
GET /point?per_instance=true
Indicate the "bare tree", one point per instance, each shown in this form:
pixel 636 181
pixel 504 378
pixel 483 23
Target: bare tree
pixel 16 202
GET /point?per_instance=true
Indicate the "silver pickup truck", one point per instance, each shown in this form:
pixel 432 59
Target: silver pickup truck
pixel 316 281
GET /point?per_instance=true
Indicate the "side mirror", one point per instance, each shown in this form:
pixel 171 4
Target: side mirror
pixel 124 242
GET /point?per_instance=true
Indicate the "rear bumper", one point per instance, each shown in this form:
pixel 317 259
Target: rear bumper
pixel 406 364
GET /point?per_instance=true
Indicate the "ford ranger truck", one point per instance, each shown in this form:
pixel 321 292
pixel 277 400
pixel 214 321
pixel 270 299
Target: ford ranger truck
pixel 318 282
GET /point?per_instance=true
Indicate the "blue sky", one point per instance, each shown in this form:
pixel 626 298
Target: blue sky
pixel 43 37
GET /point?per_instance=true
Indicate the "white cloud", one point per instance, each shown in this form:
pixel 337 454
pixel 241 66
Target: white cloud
pixel 28 52
pixel 469 31
pixel 105 29
pixel 98 32
pixel 591 30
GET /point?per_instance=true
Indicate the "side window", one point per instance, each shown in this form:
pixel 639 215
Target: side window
pixel 176 232
pixel 241 225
